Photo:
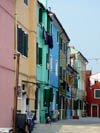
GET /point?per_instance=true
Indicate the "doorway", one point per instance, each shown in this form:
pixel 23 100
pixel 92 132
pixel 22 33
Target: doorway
pixel 94 111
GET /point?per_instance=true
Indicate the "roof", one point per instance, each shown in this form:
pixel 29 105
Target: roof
pixel 96 85
pixel 54 15
pixel 41 5
pixel 82 56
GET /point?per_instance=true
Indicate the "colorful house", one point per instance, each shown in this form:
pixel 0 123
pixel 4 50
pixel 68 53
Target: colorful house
pixel 94 100
pixel 80 66
pixel 72 85
pixel 88 96
pixel 93 94
pixel 25 45
pixel 6 63
pixel 54 64
pixel 44 43
pixel 71 76
pixel 63 43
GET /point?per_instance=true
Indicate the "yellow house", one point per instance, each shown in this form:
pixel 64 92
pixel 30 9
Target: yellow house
pixel 63 43
pixel 25 45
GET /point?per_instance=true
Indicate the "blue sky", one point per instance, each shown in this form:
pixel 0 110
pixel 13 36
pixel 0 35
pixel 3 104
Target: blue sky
pixel 81 20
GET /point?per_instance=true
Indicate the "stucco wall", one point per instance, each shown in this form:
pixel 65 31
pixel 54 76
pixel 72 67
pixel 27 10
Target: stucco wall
pixel 6 62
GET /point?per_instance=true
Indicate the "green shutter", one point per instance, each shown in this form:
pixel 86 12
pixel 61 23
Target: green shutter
pixel 37 53
pixel 46 97
pixel 40 55
pixel 40 15
pixel 76 83
pixel 51 94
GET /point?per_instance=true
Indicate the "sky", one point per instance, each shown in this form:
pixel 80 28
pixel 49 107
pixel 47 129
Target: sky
pixel 81 21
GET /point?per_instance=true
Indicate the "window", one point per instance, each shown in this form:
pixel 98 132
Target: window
pixel 60 41
pixel 57 36
pixel 60 72
pixel 38 55
pixel 26 2
pixel 40 15
pixel 56 68
pixel 97 93
pixel 64 48
pixel 64 73
pixel 22 42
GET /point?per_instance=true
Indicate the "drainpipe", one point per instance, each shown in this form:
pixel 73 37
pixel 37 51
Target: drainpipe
pixel 17 57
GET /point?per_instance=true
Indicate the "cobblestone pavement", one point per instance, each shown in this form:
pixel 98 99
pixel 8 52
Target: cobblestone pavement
pixel 82 125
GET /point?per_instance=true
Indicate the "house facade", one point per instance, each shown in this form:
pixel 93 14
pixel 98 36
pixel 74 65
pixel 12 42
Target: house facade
pixel 44 44
pixel 93 94
pixel 25 45
pixel 94 100
pixel 80 81
pixel 6 63
pixel 72 85
pixel 63 43
pixel 54 65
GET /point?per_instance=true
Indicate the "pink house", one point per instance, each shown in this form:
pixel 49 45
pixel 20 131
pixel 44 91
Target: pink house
pixel 6 62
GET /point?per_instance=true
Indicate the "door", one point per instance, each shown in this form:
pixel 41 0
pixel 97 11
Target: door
pixel 94 111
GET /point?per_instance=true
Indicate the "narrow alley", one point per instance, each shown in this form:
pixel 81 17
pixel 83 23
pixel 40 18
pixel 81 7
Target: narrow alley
pixel 82 125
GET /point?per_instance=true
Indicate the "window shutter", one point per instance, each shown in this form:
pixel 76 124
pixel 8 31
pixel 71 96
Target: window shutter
pixel 22 42
pixel 60 41
pixel 76 83
pixel 46 97
pixel 40 15
pixel 19 39
pixel 26 45
pixel 51 94
pixel 37 53
pixel 60 72
pixel 57 36
pixel 40 56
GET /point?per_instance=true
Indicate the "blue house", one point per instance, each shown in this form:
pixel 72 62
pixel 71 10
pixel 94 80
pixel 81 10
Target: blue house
pixel 54 65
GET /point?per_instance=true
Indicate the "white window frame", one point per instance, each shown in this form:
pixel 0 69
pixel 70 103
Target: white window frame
pixel 95 94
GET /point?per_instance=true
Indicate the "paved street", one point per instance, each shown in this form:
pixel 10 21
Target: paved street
pixel 83 125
